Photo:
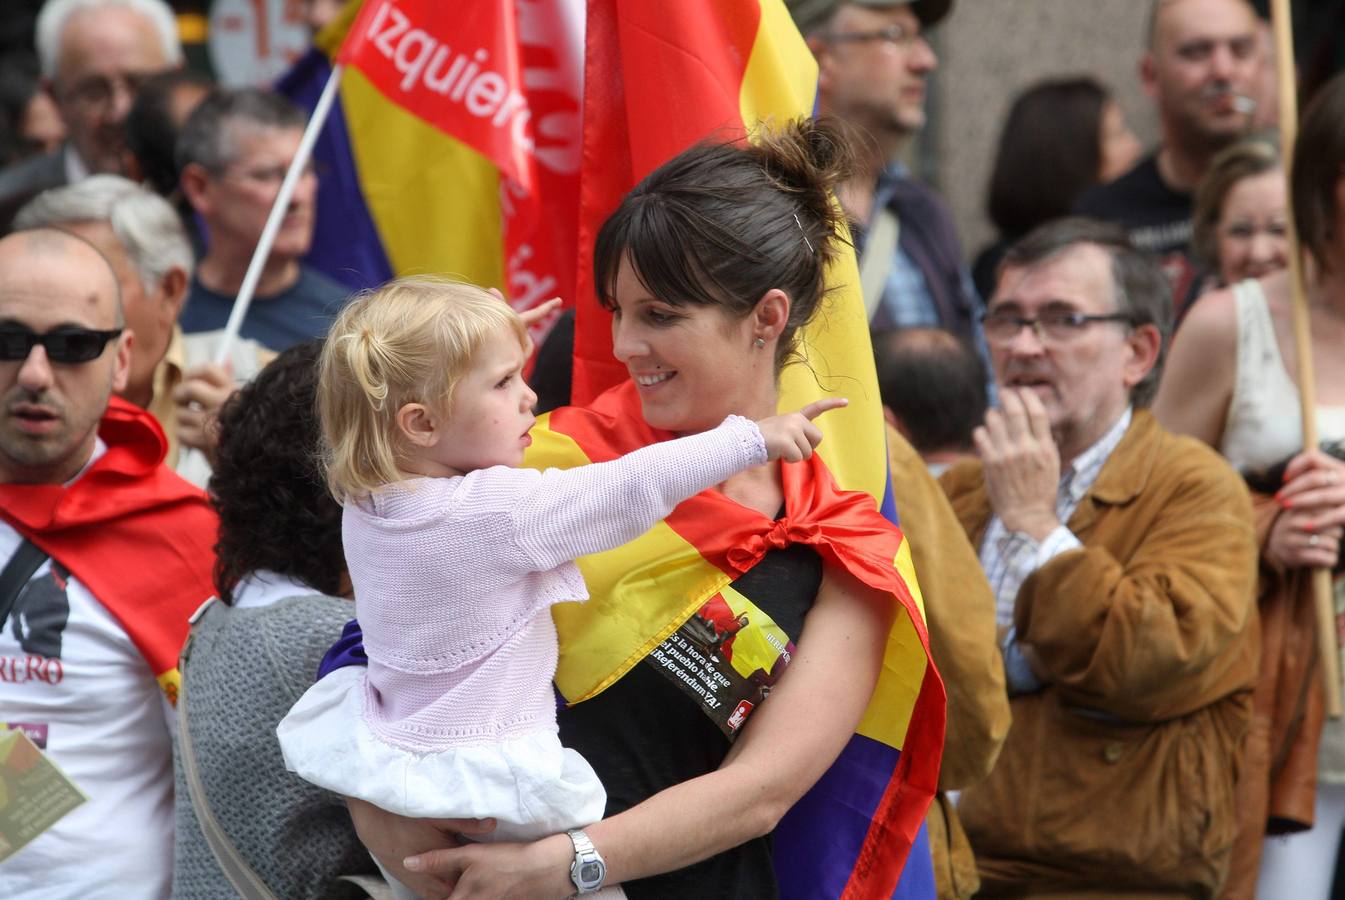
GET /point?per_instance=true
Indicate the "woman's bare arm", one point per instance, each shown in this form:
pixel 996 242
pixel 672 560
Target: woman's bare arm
pixel 786 746
pixel 1198 377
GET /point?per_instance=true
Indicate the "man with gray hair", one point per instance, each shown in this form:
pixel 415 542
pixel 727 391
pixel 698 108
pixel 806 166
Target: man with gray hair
pixel 144 241
pixel 1123 567
pixel 94 55
pixel 233 153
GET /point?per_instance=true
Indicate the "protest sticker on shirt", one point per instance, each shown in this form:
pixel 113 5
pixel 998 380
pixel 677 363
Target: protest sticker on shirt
pixel 726 658
pixel 34 793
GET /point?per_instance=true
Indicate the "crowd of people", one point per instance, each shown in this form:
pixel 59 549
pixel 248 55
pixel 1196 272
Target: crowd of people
pixel 1094 433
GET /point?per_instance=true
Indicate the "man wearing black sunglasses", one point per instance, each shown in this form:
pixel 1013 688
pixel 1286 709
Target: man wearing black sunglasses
pixel 104 554
pixel 143 239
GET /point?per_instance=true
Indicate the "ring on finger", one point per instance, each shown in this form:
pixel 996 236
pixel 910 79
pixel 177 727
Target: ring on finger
pixel 1314 540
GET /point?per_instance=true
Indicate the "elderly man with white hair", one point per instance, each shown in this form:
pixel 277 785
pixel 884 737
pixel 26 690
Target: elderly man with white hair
pixel 94 56
pixel 144 241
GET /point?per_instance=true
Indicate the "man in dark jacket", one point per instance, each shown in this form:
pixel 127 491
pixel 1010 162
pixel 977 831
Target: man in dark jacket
pixel 1201 69
pixel 874 62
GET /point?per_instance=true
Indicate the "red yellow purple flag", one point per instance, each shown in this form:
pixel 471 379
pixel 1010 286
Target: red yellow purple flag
pixel 455 123
pixel 464 141
pixel 658 78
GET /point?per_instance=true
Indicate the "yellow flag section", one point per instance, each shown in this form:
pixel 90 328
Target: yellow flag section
pixel 781 81
pixel 657 580
pixel 434 201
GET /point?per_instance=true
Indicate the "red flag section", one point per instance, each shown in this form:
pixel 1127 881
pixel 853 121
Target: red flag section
pixel 470 86
pixel 634 122
pixel 501 78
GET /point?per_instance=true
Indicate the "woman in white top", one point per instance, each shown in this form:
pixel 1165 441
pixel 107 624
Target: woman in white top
pixel 1232 382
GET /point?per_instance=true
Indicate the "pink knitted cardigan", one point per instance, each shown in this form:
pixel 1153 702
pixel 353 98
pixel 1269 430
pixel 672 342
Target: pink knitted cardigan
pixel 454 577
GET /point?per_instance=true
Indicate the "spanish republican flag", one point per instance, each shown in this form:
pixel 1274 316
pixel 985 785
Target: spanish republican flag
pixel 658 77
pixel 469 152
pixel 453 148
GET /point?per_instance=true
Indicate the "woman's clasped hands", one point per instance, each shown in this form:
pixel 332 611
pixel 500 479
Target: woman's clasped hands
pixel 1308 531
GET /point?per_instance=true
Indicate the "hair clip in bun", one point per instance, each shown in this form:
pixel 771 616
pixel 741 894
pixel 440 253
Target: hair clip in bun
pixel 807 243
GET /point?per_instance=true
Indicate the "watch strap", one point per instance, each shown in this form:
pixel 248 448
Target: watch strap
pixel 585 854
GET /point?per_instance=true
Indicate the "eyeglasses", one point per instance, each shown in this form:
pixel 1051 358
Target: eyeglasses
pixel 1056 326
pixel 98 90
pixel 895 35
pixel 269 176
pixel 63 345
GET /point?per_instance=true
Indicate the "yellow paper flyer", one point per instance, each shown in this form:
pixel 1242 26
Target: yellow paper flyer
pixel 34 793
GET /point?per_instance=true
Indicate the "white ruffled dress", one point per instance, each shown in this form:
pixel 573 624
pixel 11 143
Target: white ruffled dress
pixel 455 716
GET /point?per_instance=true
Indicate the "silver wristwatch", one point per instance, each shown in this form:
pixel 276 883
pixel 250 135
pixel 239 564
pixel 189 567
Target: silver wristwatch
pixel 588 871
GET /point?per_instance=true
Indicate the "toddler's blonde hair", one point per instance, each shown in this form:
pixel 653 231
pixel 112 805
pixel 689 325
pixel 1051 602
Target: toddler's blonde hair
pixel 409 341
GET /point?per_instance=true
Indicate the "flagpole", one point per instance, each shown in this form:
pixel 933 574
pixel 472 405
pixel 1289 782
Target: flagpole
pixel 268 237
pixel 1328 649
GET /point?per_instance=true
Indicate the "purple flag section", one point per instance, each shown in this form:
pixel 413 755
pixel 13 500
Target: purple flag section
pixel 346 245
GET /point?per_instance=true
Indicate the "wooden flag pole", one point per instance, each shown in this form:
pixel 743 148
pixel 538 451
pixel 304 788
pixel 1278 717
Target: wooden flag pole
pixel 1328 649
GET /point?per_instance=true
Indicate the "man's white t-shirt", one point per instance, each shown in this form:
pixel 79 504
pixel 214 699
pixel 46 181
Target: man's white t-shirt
pixel 71 677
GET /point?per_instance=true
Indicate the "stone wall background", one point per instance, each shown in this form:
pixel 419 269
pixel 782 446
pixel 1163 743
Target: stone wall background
pixel 989 50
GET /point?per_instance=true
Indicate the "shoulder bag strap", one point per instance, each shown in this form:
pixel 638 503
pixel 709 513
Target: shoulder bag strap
pixel 241 875
pixel 244 879
pixel 21 566
pixel 373 885
pixel 879 247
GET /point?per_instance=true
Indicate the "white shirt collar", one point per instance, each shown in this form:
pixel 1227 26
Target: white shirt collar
pixel 75 168
pixel 264 587
pixel 99 448
pixel 1085 468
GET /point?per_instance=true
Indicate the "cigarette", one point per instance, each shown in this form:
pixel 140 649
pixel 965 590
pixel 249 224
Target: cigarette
pixel 1243 104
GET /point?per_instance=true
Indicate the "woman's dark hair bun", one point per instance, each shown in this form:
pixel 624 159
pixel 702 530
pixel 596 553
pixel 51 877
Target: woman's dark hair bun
pixel 723 222
pixel 808 158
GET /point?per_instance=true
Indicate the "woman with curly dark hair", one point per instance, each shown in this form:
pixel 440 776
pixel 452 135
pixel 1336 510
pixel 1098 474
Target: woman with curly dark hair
pixel 279 526
pixel 282 574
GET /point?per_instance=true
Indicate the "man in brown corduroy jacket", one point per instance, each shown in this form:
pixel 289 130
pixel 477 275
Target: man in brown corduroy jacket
pixel 1123 564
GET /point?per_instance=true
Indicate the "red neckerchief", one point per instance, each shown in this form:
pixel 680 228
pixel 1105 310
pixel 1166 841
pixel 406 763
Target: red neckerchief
pixel 845 527
pixel 889 797
pixel 135 534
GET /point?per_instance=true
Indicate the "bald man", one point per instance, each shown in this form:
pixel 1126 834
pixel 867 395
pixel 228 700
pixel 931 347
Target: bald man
pixel 1201 68
pixel 105 555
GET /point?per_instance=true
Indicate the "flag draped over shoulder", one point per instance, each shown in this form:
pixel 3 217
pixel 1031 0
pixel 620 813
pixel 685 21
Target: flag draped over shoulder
pixel 850 835
pixel 460 149
pixel 658 78
pixel 135 534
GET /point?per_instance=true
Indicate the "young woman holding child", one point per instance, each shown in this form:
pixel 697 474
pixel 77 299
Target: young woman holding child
pixel 710 267
pixel 1231 380
pixel 456 556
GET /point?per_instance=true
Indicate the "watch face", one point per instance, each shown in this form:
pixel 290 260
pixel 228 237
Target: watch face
pixel 590 872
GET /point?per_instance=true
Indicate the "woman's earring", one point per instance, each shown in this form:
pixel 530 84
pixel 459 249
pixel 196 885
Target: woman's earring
pixel 759 343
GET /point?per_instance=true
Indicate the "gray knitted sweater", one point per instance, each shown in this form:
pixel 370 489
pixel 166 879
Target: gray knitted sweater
pixel 247 668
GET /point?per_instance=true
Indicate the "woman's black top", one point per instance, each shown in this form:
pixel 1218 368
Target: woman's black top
pixel 671 718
